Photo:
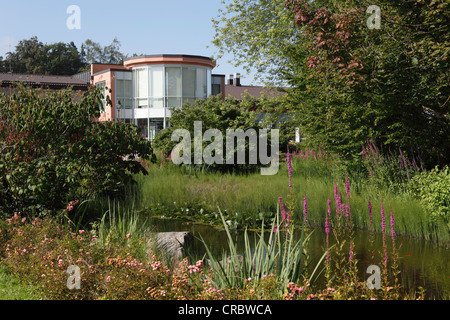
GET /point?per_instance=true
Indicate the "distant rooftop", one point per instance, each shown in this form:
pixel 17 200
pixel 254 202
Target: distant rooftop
pixel 50 81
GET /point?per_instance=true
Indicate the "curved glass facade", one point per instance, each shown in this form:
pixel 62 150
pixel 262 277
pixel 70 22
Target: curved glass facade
pixel 169 86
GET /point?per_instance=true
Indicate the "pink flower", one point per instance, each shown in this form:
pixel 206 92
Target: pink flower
pixel 392 225
pixel 81 231
pixel 305 208
pixel 288 160
pixel 128 236
pixel 347 187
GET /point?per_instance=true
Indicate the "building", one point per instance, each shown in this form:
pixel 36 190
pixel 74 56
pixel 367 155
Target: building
pixel 143 89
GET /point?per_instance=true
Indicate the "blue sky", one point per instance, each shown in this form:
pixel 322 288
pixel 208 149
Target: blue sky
pixel 142 27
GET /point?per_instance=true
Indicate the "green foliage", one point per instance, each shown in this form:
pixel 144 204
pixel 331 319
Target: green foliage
pixel 280 255
pixel 33 57
pixel 12 288
pixel 223 115
pixel 51 152
pixel 390 84
pixel 258 33
pixel 93 52
pixel 350 83
pixel 433 188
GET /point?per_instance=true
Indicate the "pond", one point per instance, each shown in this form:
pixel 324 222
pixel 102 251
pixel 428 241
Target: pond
pixel 422 263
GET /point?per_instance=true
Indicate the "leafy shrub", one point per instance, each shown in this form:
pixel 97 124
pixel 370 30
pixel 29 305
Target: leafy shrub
pixel 223 115
pixel 433 188
pixel 51 151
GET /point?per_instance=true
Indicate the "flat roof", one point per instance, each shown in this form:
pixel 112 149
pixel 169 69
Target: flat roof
pixel 169 56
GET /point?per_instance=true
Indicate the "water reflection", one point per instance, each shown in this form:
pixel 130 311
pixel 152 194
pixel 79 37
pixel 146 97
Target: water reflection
pixel 421 263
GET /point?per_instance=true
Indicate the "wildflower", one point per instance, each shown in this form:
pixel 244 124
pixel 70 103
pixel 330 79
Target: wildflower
pixel 347 187
pixel 305 208
pixel 327 226
pixel 288 160
pixel 283 212
pixel 128 235
pixel 81 231
pixel 383 229
pixel 392 225
pixel 264 276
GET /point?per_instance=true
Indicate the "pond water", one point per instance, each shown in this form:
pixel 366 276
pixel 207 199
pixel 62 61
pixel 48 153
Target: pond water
pixel 421 262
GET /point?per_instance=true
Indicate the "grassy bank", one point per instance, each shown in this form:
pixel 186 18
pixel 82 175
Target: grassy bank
pixel 246 200
pixel 11 288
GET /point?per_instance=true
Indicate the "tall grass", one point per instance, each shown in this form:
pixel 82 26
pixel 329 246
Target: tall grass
pixel 249 199
pixel 123 226
pixel 279 255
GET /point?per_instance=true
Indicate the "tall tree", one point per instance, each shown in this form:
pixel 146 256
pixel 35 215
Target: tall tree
pixel 258 33
pixel 390 84
pixel 34 57
pixel 351 82
pixel 94 52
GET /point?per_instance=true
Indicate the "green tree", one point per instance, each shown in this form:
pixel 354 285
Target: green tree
pixel 350 83
pixel 390 84
pixel 62 59
pixel 258 33
pixel 33 57
pixel 93 52
pixel 216 113
pixel 51 152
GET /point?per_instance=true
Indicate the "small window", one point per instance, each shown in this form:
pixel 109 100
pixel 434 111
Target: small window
pixel 102 87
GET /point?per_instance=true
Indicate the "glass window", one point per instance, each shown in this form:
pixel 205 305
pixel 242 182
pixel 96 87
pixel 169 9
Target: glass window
pixel 189 80
pixel 126 103
pixel 188 100
pixel 157 103
pixel 201 83
pixel 208 84
pixel 157 89
pixel 141 83
pixel 123 93
pixel 173 82
pixel 143 127
pixel 120 88
pixel 173 102
pixel 102 86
